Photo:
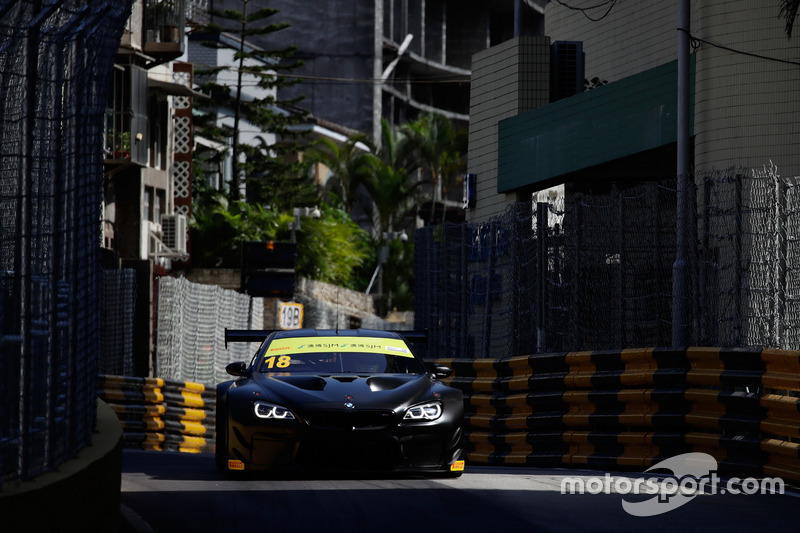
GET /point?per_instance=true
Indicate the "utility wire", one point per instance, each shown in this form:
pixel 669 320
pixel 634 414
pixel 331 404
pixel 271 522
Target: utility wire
pixel 375 80
pixel 353 80
pixel 584 10
pixel 696 40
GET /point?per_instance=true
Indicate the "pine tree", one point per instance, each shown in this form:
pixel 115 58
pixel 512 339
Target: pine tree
pixel 268 165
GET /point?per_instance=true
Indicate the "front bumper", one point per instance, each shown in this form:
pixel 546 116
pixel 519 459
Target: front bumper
pixel 427 447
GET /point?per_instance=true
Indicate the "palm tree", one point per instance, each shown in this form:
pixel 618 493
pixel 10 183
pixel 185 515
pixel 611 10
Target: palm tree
pixel 789 12
pixel 392 193
pixel 438 148
pixel 397 148
pixel 349 164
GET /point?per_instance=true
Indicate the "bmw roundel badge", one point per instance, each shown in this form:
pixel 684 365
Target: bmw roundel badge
pixel 349 405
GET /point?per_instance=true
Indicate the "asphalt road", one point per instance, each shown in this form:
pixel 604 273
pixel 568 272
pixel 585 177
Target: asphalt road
pixel 172 492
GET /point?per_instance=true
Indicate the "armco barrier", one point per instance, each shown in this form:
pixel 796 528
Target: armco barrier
pixel 628 409
pixel 160 414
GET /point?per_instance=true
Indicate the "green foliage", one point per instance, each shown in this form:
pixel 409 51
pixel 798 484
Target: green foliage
pixel 390 177
pixel 282 183
pixel 437 147
pixel 348 163
pixel 219 227
pixel 398 276
pixel 332 248
pixel 594 83
pixel 392 192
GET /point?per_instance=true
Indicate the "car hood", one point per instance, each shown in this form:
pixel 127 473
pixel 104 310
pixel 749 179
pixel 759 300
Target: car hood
pixel 376 391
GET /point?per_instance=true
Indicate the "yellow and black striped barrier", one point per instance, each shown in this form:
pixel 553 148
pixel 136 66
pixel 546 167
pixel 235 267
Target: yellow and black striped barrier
pixel 159 414
pixel 632 408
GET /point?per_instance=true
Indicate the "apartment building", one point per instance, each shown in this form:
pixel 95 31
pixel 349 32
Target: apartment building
pixel 148 142
pixel 147 168
pixel 392 58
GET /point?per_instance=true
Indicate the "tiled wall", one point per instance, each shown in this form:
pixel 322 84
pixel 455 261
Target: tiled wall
pixel 507 79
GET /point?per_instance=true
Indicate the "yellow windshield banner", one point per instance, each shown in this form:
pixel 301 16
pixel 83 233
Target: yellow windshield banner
pixel 338 344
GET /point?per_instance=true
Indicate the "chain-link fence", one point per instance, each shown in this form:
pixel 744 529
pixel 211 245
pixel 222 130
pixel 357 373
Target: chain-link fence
pixel 56 60
pixel 190 341
pixel 594 271
pixel 117 322
pixel 748 281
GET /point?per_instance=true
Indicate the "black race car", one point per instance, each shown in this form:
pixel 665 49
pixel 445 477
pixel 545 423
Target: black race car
pixel 337 400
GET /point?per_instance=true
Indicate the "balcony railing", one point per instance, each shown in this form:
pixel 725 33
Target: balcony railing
pixel 164 22
pixel 197 12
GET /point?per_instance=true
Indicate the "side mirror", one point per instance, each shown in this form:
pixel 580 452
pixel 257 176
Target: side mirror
pixel 441 371
pixel 236 369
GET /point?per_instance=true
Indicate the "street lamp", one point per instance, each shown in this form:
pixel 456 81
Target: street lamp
pixel 298 212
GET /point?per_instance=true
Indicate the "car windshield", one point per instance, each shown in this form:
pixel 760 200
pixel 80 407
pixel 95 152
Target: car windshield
pixel 331 355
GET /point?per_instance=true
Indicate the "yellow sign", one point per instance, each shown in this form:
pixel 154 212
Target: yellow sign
pixel 298 345
pixel 233 464
pixel 458 466
pixel 290 316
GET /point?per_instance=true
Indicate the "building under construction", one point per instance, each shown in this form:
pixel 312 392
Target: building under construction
pixel 392 59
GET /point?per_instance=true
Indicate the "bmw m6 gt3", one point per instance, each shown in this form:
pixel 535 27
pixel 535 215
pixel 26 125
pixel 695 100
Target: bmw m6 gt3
pixel 338 400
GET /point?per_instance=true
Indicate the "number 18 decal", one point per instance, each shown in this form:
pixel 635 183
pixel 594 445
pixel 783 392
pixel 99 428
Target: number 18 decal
pixel 283 361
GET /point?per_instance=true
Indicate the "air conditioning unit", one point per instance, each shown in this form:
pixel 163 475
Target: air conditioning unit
pixel 567 64
pixel 173 232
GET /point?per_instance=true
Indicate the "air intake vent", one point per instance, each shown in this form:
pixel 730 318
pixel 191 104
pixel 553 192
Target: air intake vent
pixel 567 70
pixel 173 232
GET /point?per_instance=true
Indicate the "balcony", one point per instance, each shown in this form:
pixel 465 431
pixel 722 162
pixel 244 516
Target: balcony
pixel 163 26
pixel 126 128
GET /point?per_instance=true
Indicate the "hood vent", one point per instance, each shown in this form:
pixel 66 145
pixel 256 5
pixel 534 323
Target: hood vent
pixel 313 383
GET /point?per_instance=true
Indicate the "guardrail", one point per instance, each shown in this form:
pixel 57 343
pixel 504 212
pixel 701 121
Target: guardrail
pixel 613 409
pixel 161 414
pixel 628 409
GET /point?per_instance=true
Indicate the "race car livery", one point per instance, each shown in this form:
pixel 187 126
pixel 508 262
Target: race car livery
pixel 341 400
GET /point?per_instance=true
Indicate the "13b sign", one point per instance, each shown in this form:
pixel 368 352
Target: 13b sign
pixel 290 316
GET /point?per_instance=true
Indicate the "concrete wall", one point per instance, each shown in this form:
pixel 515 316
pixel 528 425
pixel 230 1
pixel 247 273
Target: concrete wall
pixel 747 110
pixel 334 40
pixel 324 305
pixel 329 306
pixel 82 495
pixel 631 38
pixel 507 80
pixel 227 278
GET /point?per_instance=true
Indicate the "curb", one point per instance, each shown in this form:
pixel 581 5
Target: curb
pixel 82 494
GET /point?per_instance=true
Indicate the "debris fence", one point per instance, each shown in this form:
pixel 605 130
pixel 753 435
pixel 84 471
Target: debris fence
pixel 594 271
pixel 56 60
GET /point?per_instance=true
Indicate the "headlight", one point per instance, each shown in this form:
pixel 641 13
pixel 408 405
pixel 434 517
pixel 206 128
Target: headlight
pixel 272 411
pixel 424 411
